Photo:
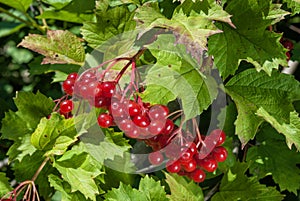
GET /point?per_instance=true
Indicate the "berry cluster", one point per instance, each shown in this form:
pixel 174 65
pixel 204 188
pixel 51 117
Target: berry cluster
pixel 288 45
pixel 188 158
pixel 184 152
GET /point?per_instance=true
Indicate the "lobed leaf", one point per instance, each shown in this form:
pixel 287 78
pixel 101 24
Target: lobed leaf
pixel 4 184
pixel 109 23
pixel 177 75
pixel 182 190
pixel 248 41
pixel 21 5
pixel 58 46
pixel 271 157
pixel 235 185
pixel 251 90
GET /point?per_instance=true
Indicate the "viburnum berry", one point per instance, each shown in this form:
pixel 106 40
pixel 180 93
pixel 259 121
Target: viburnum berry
pixel 220 154
pixel 156 127
pixel 105 120
pixel 189 166
pixel 169 127
pixel 108 88
pixel 66 106
pixel 158 112
pixel 198 175
pixel 134 108
pixel 72 76
pixel 68 86
pixel 209 164
pixel 221 134
pixel 156 158
pixel 173 166
pixel 141 120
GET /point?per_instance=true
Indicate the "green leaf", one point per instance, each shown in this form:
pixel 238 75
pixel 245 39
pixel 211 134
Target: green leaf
pixel 251 90
pixel 105 144
pixel 125 193
pixel 235 185
pixel 191 30
pixel 182 190
pixel 67 16
pixel 21 148
pixel 21 5
pixel 153 189
pixel 25 169
pixel 65 189
pixel 248 41
pixel 177 72
pixel 149 189
pixel 291 130
pixel 4 184
pixel 36 68
pixel 271 157
pixel 74 163
pixel 31 108
pixel 58 46
pixel 226 119
pixel 58 4
pixel 55 135
pixel 294 5
pixel 8 28
pixel 109 24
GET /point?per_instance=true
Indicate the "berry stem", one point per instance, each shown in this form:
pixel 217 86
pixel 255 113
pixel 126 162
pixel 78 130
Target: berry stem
pixel 40 169
pixel 195 125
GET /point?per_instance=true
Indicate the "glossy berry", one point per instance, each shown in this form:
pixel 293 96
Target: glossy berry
pixel 66 106
pixel 108 88
pixel 186 155
pixel 156 127
pixel 68 86
pixel 156 158
pixel 126 125
pixel 158 112
pixel 141 120
pixel 169 127
pixel 190 166
pixel 209 164
pixel 220 154
pixel 173 166
pixel 198 175
pixel 105 120
pixel 134 108
pixel 117 109
pixel 72 76
pixel 221 134
pixel 101 102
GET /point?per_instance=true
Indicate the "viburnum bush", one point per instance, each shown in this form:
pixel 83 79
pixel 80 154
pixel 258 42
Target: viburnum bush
pixel 190 100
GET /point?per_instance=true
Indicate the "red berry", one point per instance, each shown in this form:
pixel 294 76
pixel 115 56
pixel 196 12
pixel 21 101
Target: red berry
pixel 220 154
pixel 186 155
pixel 209 164
pixel 173 166
pixel 190 166
pixel 66 106
pixel 156 158
pixel 108 88
pixel 141 120
pixel 158 112
pixel 117 108
pixel 101 102
pixel 169 126
pixel 72 76
pixel 105 120
pixel 198 175
pixel 134 108
pixel 222 136
pixel 68 86
pixel 156 127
